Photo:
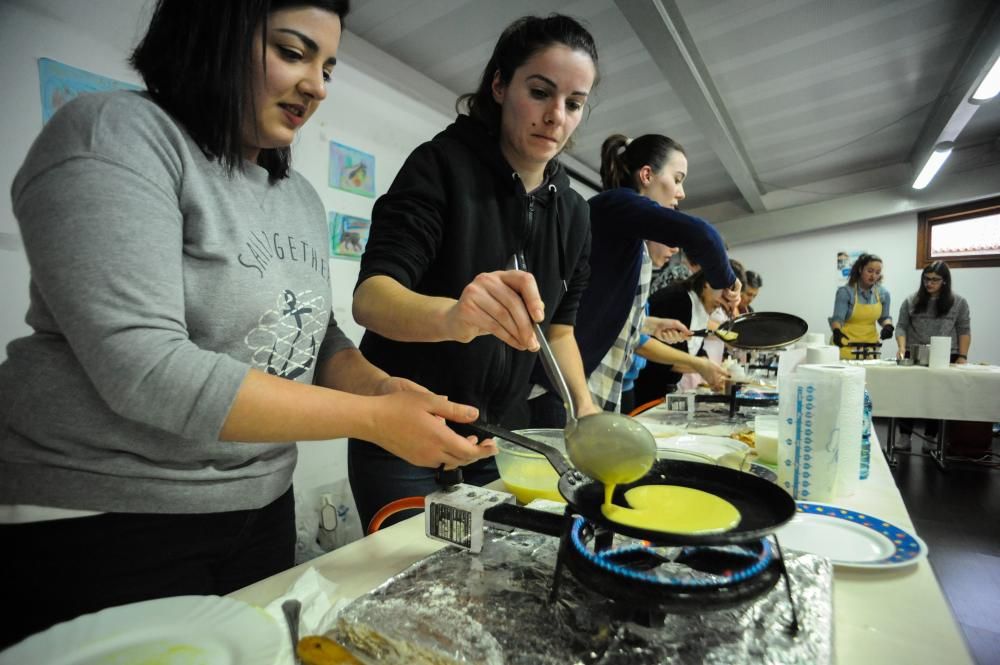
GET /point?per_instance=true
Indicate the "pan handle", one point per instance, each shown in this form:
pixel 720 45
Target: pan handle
pixel 555 458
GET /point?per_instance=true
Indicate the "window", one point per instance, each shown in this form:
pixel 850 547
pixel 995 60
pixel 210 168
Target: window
pixel 965 236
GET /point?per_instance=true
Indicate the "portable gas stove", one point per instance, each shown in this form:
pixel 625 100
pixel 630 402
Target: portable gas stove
pixel 647 573
pixel 735 398
pixel 865 350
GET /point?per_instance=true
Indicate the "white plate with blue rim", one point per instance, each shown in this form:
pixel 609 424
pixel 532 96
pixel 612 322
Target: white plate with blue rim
pixel 208 630
pixel 850 539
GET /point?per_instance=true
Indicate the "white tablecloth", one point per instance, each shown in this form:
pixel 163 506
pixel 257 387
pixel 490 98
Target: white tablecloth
pixel 958 392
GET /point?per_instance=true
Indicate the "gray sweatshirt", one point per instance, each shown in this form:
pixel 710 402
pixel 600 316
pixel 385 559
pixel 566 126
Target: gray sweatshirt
pixel 157 281
pixel 919 328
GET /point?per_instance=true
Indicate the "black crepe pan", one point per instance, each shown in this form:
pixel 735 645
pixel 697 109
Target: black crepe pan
pixel 763 505
pixel 763 330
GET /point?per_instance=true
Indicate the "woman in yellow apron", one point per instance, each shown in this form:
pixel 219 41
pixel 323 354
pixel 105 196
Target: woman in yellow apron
pixel 861 307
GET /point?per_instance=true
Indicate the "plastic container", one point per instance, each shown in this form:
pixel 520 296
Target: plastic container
pixel 766 438
pixel 526 474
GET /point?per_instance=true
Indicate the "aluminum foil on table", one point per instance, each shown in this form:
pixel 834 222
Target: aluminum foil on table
pixel 492 607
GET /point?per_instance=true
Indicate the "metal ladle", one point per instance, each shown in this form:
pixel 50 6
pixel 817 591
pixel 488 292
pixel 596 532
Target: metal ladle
pixel 610 447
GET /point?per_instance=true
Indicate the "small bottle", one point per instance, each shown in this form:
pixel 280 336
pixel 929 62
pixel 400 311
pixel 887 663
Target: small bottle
pixel 866 437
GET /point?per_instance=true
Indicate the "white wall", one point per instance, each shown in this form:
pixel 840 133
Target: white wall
pixel 26 36
pixel 800 277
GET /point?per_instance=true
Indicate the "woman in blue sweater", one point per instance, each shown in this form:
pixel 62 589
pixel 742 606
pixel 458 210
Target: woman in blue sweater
pixel 643 183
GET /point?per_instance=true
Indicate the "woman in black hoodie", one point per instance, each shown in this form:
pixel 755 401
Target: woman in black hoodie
pixel 436 291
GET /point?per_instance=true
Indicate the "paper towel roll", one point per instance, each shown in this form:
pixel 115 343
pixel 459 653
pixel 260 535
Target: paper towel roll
pixel 808 411
pixel 940 352
pixel 822 355
pixel 850 420
pixel 814 339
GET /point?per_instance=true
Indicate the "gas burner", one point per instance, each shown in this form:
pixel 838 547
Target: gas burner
pixel 646 578
pixel 733 398
pixel 731 567
pixel 865 350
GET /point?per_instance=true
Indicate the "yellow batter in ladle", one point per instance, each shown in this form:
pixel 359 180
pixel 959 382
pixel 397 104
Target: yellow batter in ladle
pixel 672 509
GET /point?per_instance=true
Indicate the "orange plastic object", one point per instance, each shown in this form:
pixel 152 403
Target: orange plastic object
pixel 391 509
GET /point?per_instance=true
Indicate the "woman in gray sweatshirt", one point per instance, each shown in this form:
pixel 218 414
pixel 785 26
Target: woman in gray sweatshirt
pixel 933 311
pixel 183 336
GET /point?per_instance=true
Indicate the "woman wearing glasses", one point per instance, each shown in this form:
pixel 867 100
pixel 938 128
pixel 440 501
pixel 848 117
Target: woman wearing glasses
pixel 933 311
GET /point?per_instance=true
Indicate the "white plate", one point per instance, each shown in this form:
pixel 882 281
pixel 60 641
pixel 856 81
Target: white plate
pixel 848 538
pixel 711 446
pixel 184 630
pixel 663 430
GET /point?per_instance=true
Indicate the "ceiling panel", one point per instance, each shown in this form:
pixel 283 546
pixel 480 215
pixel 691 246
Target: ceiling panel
pixel 805 92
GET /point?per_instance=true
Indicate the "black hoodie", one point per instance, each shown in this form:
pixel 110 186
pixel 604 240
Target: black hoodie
pixel 457 209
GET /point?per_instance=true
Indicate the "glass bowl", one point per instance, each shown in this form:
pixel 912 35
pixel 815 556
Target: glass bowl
pixel 526 474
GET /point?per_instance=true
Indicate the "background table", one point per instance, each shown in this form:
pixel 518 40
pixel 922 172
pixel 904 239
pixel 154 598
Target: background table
pixel 880 616
pixel 958 392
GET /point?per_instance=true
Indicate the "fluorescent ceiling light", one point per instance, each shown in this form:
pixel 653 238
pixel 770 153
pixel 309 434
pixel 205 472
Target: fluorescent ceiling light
pixel 933 165
pixel 990 86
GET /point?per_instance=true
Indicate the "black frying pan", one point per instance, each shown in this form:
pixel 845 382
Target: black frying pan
pixel 764 330
pixel 763 505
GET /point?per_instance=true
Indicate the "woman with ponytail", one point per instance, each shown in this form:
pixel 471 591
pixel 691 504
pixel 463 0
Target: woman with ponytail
pixel 643 182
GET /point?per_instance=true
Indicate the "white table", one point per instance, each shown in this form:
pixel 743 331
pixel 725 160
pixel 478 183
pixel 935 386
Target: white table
pixel 893 616
pixel 958 392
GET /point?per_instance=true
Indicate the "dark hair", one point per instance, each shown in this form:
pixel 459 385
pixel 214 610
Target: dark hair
pixel 697 281
pixel 194 60
pixel 859 265
pixel 754 280
pixel 622 159
pixel 945 297
pixel 519 42
pixel 739 270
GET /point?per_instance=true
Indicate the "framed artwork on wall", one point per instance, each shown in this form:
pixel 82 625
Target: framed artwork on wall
pixel 59 83
pixel 352 170
pixel 348 236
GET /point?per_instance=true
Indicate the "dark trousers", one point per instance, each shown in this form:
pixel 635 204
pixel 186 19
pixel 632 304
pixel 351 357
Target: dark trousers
pixel 547 411
pixel 56 570
pixel 378 478
pixel 628 401
pixel 906 426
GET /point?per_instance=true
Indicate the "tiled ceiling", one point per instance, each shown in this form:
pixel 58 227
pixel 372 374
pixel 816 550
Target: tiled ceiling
pixel 778 102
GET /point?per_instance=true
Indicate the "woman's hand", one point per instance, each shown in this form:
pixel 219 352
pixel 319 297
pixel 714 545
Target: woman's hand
pixel 887 331
pixel 713 373
pixel 961 360
pixel 410 424
pixel 395 384
pixel 729 299
pixel 504 303
pixel 669 331
pixel 587 408
pixel 839 338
